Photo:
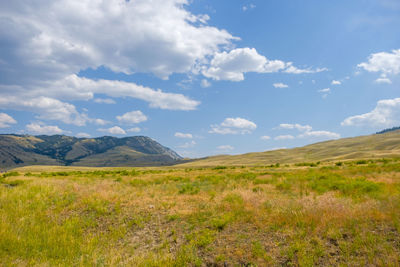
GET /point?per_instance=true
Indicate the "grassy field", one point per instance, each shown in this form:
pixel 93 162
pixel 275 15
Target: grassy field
pixel 304 214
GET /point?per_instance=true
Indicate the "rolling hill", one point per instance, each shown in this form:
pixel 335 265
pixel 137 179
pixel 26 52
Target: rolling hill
pixel 23 150
pixel 372 146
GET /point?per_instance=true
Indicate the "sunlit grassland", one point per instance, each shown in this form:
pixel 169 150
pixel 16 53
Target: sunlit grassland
pixel 338 213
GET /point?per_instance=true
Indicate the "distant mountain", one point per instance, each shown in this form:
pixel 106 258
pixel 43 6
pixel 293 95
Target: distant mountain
pixel 388 130
pixel 22 150
pixel 361 147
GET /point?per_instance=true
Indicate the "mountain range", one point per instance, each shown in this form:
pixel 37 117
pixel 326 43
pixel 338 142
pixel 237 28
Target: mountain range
pixel 22 150
pixel 106 151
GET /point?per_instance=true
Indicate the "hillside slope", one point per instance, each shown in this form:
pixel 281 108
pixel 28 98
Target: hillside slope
pixel 22 150
pixel 371 146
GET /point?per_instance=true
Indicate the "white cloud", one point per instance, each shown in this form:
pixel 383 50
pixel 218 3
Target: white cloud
pixel 276 148
pixel 284 137
pixel 183 135
pixel 239 123
pixel 319 134
pixel 6 120
pixel 232 65
pixel 306 132
pixel 104 101
pixel 113 130
pixel 280 85
pixel 387 63
pixel 158 36
pixel 234 126
pixel 83 135
pixel 335 82
pixel 46 108
pixel 326 90
pixel 44 50
pixel 294 70
pixel 225 148
pixel 265 137
pixel 188 144
pixel 134 130
pixel 383 79
pixel 39 128
pixel 248 7
pixel 99 121
pixel 73 87
pixel 132 117
pixel 385 114
pixel 296 126
pixel 205 83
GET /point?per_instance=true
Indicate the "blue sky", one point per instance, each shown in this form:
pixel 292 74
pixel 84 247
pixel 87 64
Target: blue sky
pixel 201 77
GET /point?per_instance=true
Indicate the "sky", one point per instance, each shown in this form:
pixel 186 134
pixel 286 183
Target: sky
pixel 201 77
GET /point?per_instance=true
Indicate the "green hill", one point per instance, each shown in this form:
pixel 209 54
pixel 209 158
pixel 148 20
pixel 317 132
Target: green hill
pixel 23 150
pixel 371 146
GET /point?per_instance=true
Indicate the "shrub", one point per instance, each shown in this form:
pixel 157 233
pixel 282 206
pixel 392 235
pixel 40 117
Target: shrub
pixel 220 168
pixel 10 174
pixel 190 189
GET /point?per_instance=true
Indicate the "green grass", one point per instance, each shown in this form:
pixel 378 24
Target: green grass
pixel 305 214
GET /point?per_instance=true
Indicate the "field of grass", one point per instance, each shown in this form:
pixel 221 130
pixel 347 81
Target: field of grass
pixel 304 214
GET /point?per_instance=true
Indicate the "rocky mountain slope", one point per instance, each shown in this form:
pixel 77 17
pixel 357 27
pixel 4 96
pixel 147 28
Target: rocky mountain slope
pixel 22 150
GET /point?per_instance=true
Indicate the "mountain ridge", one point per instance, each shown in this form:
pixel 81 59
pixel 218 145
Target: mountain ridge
pixel 361 147
pixel 21 150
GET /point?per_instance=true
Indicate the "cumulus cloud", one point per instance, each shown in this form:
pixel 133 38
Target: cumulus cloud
pixel 134 130
pixel 383 62
pixel 183 135
pixel 113 130
pixel 234 64
pixel 295 126
pixel 306 132
pixel 46 108
pixel 205 83
pixel 284 137
pixel 6 120
pixel 83 135
pixel 383 79
pixel 132 117
pixel 265 137
pixel 73 87
pixel 385 114
pixel 335 82
pixel 40 128
pixel 104 101
pixel 47 43
pixel 280 85
pixel 160 36
pixel 99 121
pixel 233 126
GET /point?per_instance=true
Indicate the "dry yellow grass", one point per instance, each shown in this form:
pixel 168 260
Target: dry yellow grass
pixel 372 146
pixel 327 215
